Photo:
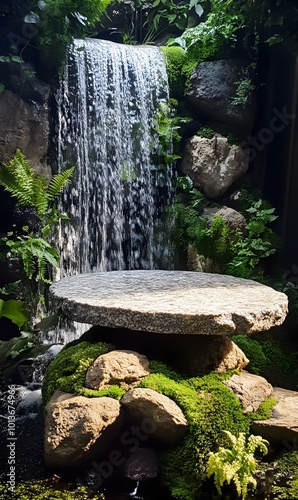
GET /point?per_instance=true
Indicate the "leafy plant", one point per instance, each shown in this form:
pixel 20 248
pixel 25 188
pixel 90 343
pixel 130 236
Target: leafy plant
pixel 167 129
pixel 18 349
pixel 245 88
pixel 260 242
pixel 14 310
pixel 31 190
pixel 35 254
pixel 60 21
pixel 236 463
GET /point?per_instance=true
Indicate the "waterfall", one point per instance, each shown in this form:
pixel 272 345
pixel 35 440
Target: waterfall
pixel 107 128
pixel 107 108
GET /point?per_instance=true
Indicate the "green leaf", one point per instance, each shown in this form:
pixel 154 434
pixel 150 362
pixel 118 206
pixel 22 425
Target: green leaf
pixel 2 88
pixel 14 310
pixel 199 10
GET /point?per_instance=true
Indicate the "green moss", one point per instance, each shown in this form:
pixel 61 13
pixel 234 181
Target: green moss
pixel 275 362
pixel 43 490
pixel 114 391
pixel 209 408
pixel 264 410
pixel 206 132
pixel 68 370
pixel 175 59
pixel 253 350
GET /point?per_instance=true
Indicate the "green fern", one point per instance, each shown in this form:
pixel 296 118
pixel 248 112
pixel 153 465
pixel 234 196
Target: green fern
pixel 236 463
pixel 35 253
pixel 30 190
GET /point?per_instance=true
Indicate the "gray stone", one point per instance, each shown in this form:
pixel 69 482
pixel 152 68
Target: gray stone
pixel 161 416
pixel 282 427
pixel 213 164
pixel 250 389
pixel 25 126
pixel 170 302
pixel 76 427
pixel 212 89
pixel 123 368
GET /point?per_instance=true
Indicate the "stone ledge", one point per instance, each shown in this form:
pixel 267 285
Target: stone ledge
pixel 170 302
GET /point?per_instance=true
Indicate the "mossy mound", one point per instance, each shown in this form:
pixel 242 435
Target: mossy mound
pixel 208 405
pixel 210 408
pixel 40 490
pixel 276 362
pixel 175 58
pixel 67 372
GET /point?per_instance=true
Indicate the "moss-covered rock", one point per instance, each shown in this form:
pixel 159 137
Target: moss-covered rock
pixel 68 370
pixel 209 408
pixel 175 58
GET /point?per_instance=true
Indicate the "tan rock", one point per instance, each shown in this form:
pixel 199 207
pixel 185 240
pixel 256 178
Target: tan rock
pixel 162 416
pixel 213 164
pixel 75 426
pixel 120 367
pixel 204 354
pixel 250 389
pixel 282 427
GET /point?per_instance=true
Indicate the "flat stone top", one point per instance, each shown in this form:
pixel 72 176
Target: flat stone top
pixel 170 302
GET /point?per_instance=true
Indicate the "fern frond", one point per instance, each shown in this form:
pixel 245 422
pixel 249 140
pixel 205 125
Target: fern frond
pixel 17 178
pixel 40 196
pixel 58 183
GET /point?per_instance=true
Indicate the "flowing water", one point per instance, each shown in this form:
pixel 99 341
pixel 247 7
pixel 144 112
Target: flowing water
pixel 107 107
pixel 107 128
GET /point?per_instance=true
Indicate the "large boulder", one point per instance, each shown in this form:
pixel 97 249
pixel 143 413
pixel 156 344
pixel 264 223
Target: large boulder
pixel 282 427
pixel 213 164
pixel 121 367
pixel 77 428
pixel 162 416
pixel 212 89
pixel 250 389
pixel 25 126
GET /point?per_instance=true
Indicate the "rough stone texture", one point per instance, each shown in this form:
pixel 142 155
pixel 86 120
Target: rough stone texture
pixel 212 89
pixel 170 302
pixel 234 220
pixel 250 389
pixel 216 353
pixel 75 426
pixel 213 164
pixel 123 368
pixel 25 126
pixel 159 414
pixel 282 427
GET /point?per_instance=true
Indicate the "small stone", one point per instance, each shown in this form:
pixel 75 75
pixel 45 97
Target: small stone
pixel 120 367
pixel 156 414
pixel 250 389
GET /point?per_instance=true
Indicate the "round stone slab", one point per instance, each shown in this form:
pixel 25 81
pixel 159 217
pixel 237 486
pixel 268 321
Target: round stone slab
pixel 170 302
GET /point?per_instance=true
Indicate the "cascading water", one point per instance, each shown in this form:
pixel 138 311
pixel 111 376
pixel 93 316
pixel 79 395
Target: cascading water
pixel 107 109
